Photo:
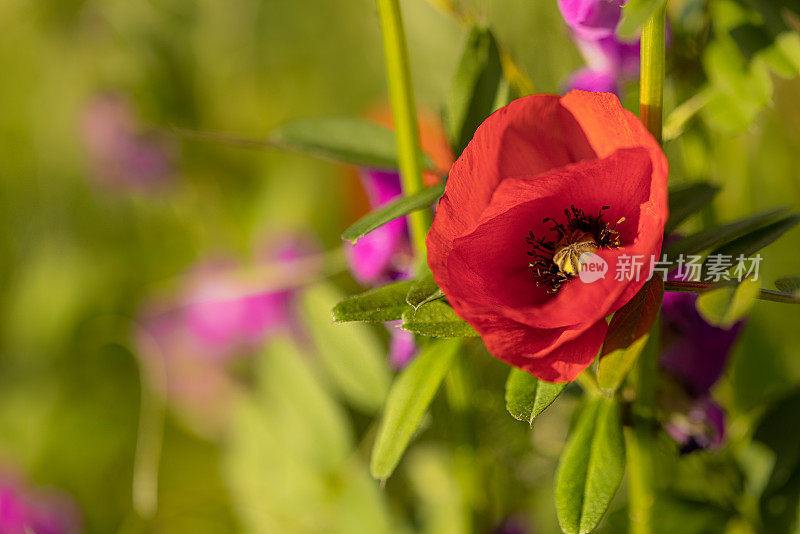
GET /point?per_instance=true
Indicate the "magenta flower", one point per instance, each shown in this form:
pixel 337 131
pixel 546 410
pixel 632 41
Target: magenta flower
pixel 592 19
pixel 694 355
pixel 120 155
pixel 23 511
pixel 384 254
pixel 609 61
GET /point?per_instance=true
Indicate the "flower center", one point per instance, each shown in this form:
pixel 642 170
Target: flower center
pixel 556 258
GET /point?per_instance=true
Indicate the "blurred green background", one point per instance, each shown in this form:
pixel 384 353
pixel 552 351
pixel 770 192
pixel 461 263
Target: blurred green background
pixel 80 260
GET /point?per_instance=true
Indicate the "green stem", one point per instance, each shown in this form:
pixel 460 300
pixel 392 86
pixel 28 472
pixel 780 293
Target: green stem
pixel 651 94
pixel 640 438
pixel 401 96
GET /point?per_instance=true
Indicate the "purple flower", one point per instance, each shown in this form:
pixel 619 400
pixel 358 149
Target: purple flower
pixel 23 511
pixel 694 352
pixel 591 19
pixel 121 156
pixel 384 254
pixel 694 355
pixel 609 60
pixel 597 81
pixel 700 426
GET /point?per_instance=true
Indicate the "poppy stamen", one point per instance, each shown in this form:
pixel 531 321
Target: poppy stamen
pixel 556 261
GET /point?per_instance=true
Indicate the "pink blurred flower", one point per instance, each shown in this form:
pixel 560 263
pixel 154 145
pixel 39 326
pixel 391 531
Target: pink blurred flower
pixel 224 310
pixel 592 19
pixel 120 155
pixel 23 510
pixel 609 60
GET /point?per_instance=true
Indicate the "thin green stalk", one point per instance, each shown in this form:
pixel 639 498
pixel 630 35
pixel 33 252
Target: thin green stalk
pixel 401 96
pixel 651 93
pixel 640 438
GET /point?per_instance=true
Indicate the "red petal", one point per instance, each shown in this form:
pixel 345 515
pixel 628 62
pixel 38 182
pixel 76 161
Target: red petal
pixel 529 136
pixel 566 354
pixel 489 267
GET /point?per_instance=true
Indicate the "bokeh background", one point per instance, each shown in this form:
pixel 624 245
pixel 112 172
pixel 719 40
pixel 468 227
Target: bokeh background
pixel 98 240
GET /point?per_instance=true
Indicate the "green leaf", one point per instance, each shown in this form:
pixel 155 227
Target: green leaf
pixel 423 291
pixel 759 238
pixel 628 333
pixel 720 235
pixel 391 211
pixel 345 139
pixel 351 353
pixel 726 305
pixel 527 396
pixel 385 303
pixel 634 15
pixel 409 398
pixel 686 200
pixel 788 284
pixel 591 467
pixel 475 87
pixel 437 319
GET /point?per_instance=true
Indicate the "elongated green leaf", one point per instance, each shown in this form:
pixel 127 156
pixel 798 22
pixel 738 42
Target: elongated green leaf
pixel 725 306
pixel 628 333
pixel 345 139
pixel 391 211
pixel 437 319
pixel 789 284
pixel 634 15
pixel 475 87
pixel 686 200
pixel 527 396
pixel 423 291
pixel 720 235
pixel 591 467
pixel 408 400
pixel 759 238
pixel 385 303
pixel 351 353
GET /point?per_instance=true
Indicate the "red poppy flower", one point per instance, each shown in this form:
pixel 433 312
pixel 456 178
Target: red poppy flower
pixel 541 174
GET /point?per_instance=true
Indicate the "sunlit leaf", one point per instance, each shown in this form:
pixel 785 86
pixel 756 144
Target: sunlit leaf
pixel 391 211
pixel 725 306
pixel 385 303
pixel 628 333
pixel 423 291
pixel 437 319
pixel 474 90
pixel 591 467
pixel 409 398
pixel 527 396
